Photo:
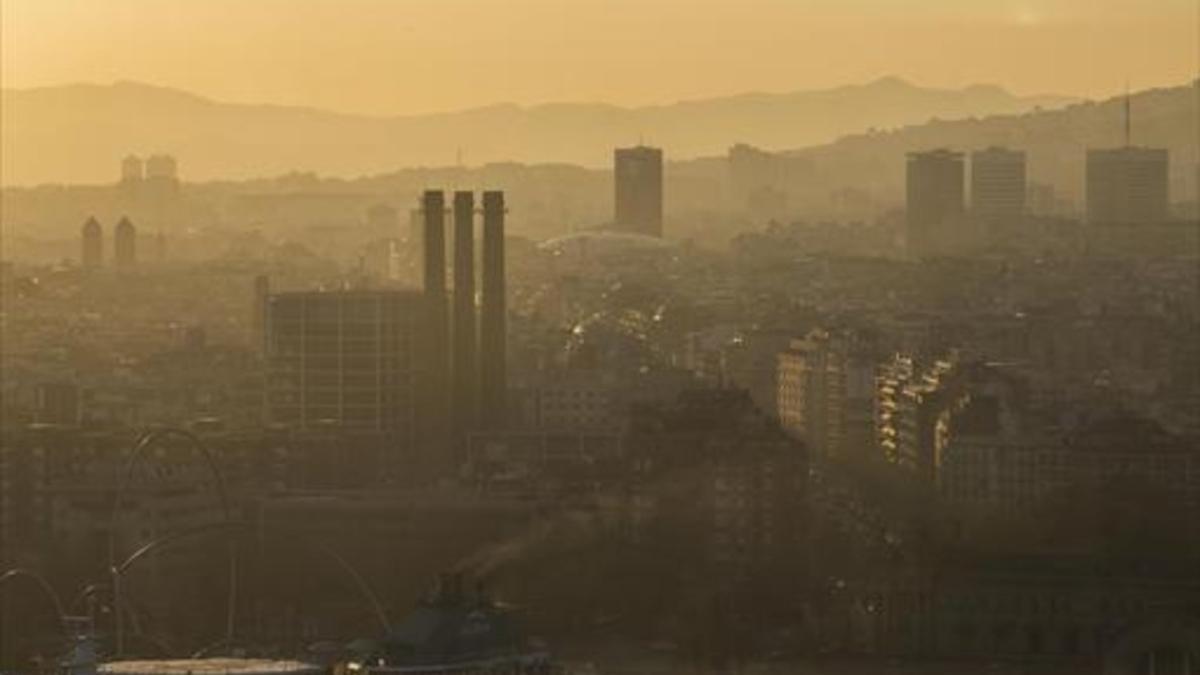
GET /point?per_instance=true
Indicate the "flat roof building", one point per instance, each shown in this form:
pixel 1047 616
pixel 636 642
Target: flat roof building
pixel 638 179
pixel 342 358
pixel 934 198
pixel 997 185
pixel 1127 185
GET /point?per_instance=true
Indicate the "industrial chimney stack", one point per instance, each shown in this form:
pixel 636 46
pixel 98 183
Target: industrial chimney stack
pixel 465 359
pixel 492 329
pixel 434 385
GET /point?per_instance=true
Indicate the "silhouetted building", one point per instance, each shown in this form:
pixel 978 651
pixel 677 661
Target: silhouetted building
pixel 1127 185
pixel 638 177
pixel 93 244
pixel 493 320
pixel 935 204
pixel 466 373
pixel 162 168
pixel 998 185
pixel 342 359
pixel 132 170
pixel 124 245
pixel 751 485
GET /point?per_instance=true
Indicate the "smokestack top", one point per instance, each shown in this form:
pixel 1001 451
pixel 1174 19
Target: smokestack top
pixel 493 200
pixel 433 199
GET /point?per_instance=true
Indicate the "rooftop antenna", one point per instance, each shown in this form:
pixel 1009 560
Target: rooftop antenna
pixel 1128 116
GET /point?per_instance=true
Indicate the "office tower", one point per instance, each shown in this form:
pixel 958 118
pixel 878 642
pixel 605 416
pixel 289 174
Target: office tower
pixel 93 244
pixel 435 368
pixel 935 203
pixel 1127 185
pixel 493 344
pixel 998 185
pixel 466 374
pixel 342 359
pixel 638 179
pixel 125 245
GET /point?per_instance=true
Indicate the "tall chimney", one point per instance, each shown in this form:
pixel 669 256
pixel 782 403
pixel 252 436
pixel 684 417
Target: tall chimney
pixel 466 376
pixel 435 374
pixel 492 329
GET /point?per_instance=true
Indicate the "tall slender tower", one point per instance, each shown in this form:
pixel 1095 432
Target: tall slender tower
pixel 437 362
pixel 125 245
pixel 466 374
pixel 93 244
pixel 494 372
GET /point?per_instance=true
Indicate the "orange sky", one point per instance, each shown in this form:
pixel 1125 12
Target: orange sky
pixel 403 56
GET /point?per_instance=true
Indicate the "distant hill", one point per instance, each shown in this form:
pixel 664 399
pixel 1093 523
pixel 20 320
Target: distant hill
pixel 78 133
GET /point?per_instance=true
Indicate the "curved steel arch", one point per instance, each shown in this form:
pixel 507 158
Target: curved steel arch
pixel 45 587
pixel 232 528
pixel 144 442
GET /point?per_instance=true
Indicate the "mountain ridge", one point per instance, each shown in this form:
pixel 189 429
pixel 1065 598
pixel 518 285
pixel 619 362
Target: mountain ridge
pixel 77 133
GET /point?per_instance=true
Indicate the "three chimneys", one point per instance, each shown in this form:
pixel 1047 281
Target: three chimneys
pixel 124 244
pixel 466 372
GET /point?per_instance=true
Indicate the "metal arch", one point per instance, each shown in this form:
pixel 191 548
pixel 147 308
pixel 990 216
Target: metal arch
pixel 232 527
pixel 145 441
pixel 46 588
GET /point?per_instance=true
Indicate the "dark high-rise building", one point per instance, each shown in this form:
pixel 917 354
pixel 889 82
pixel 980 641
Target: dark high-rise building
pixel 124 245
pixel 998 185
pixel 1127 185
pixel 935 204
pixel 638 179
pixel 465 366
pixel 93 244
pixel 342 359
pixel 492 337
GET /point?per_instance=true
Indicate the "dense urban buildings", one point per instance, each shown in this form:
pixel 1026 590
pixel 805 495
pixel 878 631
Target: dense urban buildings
pixel 868 405
pixel 638 181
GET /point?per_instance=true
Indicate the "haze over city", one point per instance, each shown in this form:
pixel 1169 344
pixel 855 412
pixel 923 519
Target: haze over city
pixel 582 337
pixel 382 57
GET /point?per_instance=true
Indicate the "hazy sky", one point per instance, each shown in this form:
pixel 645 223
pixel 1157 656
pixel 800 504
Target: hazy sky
pixel 400 56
